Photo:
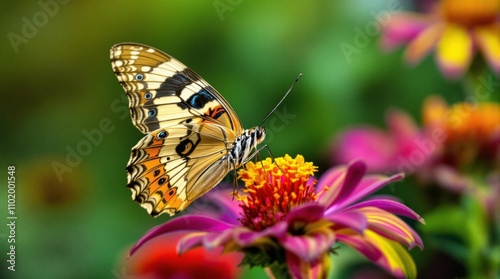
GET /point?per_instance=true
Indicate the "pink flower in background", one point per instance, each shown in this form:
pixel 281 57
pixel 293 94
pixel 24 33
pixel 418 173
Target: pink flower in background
pixel 283 222
pixel 383 151
pixel 454 29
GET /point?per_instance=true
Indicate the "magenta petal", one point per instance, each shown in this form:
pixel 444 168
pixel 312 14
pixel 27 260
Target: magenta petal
pixel 183 223
pixel 329 178
pixel 353 176
pixel 307 212
pixel 355 172
pixel 398 235
pixel 375 147
pixel 364 247
pixel 350 219
pixel 295 266
pixel 391 206
pixel 189 241
pixel 401 29
pixel 309 247
pixel 300 269
pixel 368 185
pixel 231 208
pixel 246 237
pixel 213 240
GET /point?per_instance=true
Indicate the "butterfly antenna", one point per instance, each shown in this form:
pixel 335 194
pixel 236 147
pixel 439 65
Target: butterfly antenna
pixel 282 99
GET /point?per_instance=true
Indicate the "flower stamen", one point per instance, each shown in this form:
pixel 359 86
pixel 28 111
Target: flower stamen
pixel 273 188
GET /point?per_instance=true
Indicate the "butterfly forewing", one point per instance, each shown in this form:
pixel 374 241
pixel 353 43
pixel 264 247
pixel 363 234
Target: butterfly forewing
pixel 162 91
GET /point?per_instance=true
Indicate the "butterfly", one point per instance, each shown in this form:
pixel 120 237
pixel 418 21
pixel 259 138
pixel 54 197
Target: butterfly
pixel 193 136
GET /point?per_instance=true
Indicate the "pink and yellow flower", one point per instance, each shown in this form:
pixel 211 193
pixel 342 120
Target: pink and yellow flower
pixel 456 29
pixel 289 223
pixel 458 147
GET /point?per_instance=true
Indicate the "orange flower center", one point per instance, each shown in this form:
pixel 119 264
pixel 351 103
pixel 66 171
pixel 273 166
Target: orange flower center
pixel 467 127
pixel 470 13
pixel 271 191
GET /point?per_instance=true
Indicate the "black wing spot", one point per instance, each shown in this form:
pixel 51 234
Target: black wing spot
pixel 162 135
pixel 156 173
pixel 161 181
pixel 139 77
pixel 200 99
pixel 185 147
pixel 152 112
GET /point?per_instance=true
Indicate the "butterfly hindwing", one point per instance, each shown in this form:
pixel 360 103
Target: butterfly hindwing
pixel 169 168
pixel 163 92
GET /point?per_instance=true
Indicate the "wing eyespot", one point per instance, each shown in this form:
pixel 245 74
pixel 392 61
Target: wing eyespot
pixel 148 95
pixel 152 112
pixel 139 77
pixel 200 99
pixel 156 173
pixel 162 135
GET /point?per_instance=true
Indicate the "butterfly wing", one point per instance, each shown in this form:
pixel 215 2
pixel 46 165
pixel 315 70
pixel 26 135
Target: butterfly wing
pixel 189 127
pixel 171 167
pixel 163 92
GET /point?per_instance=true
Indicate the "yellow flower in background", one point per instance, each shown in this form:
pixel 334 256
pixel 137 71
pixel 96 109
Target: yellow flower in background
pixel 454 29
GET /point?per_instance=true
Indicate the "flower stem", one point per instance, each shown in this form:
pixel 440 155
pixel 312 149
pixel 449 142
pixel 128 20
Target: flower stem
pixel 473 83
pixel 280 270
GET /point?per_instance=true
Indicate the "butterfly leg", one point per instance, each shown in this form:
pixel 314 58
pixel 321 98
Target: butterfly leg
pixel 235 182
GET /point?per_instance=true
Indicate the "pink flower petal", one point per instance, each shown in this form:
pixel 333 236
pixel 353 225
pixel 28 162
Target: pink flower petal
pixel 375 147
pixel 305 213
pixel 385 253
pixel 247 237
pixel 184 223
pixel 213 240
pixel 350 219
pixel 354 174
pixel 225 199
pixel 406 134
pixel 368 185
pixel 332 179
pixel 309 247
pixel 391 227
pixel 391 206
pixel 297 269
pixel 402 28
pixel 190 241
pixel 423 43
pixel 357 242
pixel 300 269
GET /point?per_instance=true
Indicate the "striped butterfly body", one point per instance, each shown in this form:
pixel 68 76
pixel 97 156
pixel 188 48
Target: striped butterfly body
pixel 193 136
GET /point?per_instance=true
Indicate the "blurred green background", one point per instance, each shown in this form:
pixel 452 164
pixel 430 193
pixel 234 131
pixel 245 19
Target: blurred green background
pixel 58 85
